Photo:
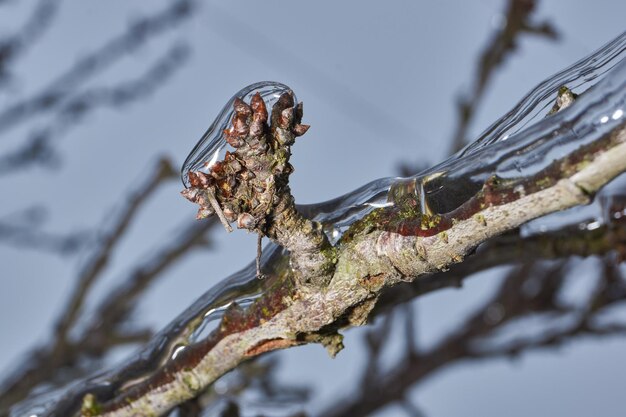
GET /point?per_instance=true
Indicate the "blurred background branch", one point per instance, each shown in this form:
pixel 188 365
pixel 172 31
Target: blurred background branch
pixel 77 345
pixel 12 46
pixel 517 21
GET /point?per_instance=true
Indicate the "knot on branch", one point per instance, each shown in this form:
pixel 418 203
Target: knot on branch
pixel 250 186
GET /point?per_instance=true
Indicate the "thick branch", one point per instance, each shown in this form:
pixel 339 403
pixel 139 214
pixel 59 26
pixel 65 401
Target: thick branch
pixel 369 261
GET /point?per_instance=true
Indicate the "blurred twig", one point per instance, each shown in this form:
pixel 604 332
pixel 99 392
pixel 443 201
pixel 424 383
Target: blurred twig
pixel 513 300
pixel 136 35
pixel 70 103
pixel 503 42
pixel 49 362
pixel 25 232
pixel 101 256
pixel 114 308
pixel 36 25
pixel 39 149
pixel 107 329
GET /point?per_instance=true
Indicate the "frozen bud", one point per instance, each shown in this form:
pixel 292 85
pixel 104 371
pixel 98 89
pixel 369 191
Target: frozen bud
pixel 286 117
pixel 285 100
pixel 246 221
pixel 194 181
pixel 229 214
pixel 241 107
pixel 300 130
pixel 199 179
pixel 204 212
pixel 258 108
pixel 240 124
pixel 191 194
pixel 232 138
pixel 256 127
pixel 299 112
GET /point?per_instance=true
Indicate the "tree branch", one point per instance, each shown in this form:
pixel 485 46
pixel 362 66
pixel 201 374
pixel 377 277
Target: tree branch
pixel 503 42
pixel 488 190
pixel 369 260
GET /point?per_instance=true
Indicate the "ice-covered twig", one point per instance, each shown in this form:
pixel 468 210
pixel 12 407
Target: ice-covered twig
pixel 556 164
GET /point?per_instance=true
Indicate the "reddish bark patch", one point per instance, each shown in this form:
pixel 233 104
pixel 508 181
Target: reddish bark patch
pixel 373 282
pixel 405 219
pixel 235 320
pixel 269 345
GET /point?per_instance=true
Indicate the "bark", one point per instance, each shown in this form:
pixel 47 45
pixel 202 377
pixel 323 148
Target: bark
pixel 370 259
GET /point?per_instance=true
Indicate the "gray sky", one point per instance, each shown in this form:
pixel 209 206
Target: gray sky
pixel 378 80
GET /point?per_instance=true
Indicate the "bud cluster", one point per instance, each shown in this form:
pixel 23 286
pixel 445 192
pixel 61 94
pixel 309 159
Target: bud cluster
pixel 250 183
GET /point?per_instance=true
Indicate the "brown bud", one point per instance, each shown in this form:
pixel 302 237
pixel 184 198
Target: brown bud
pixel 256 127
pixel 285 100
pixel 204 212
pixel 217 170
pixel 299 112
pixel 241 107
pixel 233 139
pixel 229 214
pixel 191 194
pixel 300 130
pixel 205 179
pixel 258 108
pixel 235 165
pixel 286 117
pixel 199 179
pixel 241 124
pixel 246 221
pixel 194 181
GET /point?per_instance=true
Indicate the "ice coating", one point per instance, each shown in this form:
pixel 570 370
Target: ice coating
pixel 180 334
pixel 578 77
pixel 601 81
pixel 596 112
pixel 510 147
pixel 210 148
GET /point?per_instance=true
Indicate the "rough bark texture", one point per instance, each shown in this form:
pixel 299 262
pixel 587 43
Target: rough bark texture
pixel 366 263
